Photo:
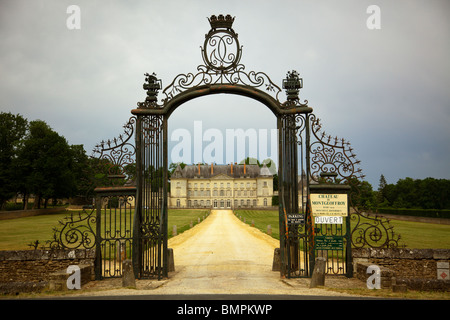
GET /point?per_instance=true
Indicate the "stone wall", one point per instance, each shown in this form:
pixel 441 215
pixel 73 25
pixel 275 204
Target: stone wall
pixel 14 214
pixel 33 270
pixel 418 269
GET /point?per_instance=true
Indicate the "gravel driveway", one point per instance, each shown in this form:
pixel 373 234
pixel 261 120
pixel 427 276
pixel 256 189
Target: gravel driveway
pixel 223 255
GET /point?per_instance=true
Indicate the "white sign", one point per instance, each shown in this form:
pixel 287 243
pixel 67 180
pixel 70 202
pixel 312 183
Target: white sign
pixel 329 204
pixel 328 219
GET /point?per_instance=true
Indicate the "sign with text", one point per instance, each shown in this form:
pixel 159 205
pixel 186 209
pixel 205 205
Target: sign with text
pixel 295 218
pixel 328 219
pixel 329 204
pixel 329 242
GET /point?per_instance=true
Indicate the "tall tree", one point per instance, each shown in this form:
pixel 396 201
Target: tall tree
pixel 381 194
pixel 12 130
pixel 46 164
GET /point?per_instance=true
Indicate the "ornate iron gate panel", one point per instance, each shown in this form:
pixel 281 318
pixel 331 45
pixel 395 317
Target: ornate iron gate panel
pixel 150 233
pixel 115 212
pixel 296 228
pixel 293 236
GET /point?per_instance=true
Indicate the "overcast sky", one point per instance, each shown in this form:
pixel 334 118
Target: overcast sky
pixel 385 90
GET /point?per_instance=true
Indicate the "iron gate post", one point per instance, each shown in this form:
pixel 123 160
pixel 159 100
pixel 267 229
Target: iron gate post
pixel 98 248
pixel 164 211
pixel 137 246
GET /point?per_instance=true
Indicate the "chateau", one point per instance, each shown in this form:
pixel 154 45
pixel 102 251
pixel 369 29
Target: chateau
pixel 221 186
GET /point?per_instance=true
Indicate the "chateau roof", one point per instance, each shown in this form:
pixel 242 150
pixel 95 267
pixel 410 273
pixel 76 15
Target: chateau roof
pixel 207 171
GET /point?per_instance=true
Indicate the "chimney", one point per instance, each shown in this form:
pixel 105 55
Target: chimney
pixel 244 167
pixel 212 170
pixel 199 169
pixel 232 168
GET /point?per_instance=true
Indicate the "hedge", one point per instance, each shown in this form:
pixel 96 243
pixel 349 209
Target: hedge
pixel 430 213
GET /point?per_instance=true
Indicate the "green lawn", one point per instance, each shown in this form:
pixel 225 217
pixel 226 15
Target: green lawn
pixel 183 217
pixel 417 235
pixel 17 234
pixel 261 218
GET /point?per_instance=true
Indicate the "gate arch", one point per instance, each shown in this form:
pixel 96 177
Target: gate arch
pixel 275 106
pixel 222 73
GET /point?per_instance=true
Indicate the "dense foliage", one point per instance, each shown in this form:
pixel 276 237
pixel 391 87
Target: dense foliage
pixel 36 160
pixel 429 193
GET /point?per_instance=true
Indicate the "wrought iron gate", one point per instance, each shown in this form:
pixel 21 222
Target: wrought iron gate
pixel 150 232
pixel 130 219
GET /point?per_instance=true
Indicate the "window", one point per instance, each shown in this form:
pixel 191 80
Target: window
pixel 215 203
pixel 228 203
pixel 254 202
pixel 265 202
pixel 178 203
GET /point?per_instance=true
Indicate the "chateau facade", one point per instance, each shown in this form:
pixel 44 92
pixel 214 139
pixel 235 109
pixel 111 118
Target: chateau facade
pixel 221 186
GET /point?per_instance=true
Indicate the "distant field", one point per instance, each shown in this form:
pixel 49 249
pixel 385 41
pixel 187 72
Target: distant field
pixel 16 234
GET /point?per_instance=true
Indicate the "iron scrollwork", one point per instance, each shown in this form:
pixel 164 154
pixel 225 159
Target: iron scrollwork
pixel 221 54
pixel 77 232
pixel 118 153
pixel 331 155
pixel 333 161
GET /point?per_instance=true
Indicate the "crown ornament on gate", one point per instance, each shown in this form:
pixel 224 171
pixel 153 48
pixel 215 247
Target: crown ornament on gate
pixel 221 21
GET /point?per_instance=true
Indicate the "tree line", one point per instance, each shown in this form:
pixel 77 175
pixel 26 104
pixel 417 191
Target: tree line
pixel 407 193
pixel 428 193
